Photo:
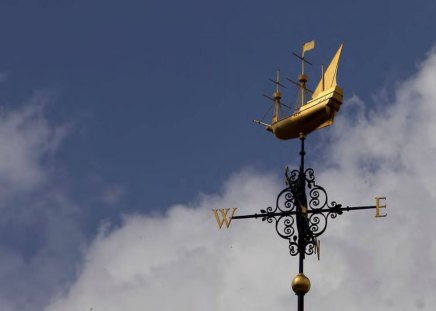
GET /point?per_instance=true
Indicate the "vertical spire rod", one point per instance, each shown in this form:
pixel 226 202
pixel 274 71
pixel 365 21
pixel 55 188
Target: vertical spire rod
pixel 277 96
pixel 277 79
pixel 303 78
pixel 301 241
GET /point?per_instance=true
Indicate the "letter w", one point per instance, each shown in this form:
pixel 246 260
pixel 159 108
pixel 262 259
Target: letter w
pixel 224 219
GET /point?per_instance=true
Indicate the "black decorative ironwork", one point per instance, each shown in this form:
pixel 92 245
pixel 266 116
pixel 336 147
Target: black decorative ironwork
pixel 295 220
pixel 302 210
pixel 301 213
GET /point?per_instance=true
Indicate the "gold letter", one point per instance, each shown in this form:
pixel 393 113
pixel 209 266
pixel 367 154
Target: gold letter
pixel 224 212
pixel 378 206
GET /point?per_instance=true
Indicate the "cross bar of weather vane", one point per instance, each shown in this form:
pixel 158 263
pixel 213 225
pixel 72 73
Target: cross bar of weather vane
pixel 302 211
pixel 336 209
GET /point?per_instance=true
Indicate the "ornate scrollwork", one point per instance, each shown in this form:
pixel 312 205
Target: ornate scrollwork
pixel 285 226
pixel 285 201
pixel 309 174
pixel 293 248
pixel 310 247
pixel 291 176
pixel 302 211
pixel 317 197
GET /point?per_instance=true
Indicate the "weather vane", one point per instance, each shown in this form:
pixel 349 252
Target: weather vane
pixel 302 209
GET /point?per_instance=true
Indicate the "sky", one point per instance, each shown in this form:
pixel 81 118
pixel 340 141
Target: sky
pixel 122 125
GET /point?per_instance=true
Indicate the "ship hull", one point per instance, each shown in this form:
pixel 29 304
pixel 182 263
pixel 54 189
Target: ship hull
pixel 316 113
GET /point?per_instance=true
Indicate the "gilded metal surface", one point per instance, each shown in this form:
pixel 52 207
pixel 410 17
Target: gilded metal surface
pixel 320 110
pixel 328 77
pixel 315 114
pixel 308 46
pixel 224 220
pixel 300 284
pixel 378 207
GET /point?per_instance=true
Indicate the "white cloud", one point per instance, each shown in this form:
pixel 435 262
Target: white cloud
pixel 27 139
pixel 181 261
pixel 40 238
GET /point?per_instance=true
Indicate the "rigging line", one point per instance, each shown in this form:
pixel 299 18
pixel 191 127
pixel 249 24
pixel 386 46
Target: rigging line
pixel 287 107
pixel 273 100
pixel 296 96
pixel 266 113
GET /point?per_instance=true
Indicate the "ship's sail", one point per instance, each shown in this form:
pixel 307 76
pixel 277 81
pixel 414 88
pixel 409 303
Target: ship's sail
pixel 317 112
pixel 328 80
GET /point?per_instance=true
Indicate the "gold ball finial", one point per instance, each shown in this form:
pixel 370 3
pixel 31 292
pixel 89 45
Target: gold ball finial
pixel 300 284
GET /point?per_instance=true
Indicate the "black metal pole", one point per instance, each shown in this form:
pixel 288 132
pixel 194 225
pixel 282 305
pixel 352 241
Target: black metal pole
pixel 301 302
pixel 301 296
pixel 301 240
pixel 302 153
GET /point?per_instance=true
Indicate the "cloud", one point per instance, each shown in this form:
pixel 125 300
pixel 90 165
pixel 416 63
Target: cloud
pixel 181 261
pixel 40 235
pixel 27 139
pixel 182 253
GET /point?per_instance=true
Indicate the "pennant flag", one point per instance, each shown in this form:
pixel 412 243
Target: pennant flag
pixel 308 46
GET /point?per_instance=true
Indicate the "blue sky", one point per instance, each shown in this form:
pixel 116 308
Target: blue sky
pixel 111 109
pixel 156 85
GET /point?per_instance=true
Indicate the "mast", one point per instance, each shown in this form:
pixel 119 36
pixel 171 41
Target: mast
pixel 277 96
pixel 302 78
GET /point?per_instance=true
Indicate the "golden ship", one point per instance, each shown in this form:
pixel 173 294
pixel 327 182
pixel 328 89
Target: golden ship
pixel 315 113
